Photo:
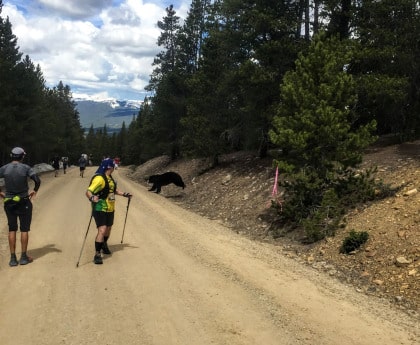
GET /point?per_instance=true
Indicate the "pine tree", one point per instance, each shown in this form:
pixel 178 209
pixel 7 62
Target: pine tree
pixel 9 60
pixel 143 138
pixel 211 125
pixel 316 118
pixel 267 30
pixel 387 65
pixel 164 62
pixel 66 134
pixel 168 86
pixel 191 36
pixel 341 17
pixel 316 126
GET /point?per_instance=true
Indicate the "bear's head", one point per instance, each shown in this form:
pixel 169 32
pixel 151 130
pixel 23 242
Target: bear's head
pixel 152 179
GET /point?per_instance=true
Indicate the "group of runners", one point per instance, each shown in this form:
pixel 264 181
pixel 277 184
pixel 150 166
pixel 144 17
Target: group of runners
pixel 63 162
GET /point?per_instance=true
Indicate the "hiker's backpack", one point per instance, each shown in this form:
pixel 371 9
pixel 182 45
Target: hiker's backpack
pixel 103 193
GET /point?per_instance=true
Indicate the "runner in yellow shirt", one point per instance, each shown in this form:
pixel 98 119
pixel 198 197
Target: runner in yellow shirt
pixel 101 192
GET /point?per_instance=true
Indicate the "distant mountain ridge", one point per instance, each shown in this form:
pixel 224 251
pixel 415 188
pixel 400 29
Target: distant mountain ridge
pixel 111 113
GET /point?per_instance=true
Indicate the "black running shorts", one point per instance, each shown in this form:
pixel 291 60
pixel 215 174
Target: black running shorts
pixel 21 210
pixel 103 218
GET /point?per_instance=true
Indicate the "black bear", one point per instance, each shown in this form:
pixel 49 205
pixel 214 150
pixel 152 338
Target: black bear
pixel 165 179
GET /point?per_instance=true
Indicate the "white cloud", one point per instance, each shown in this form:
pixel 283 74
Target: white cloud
pixel 100 48
pixel 74 8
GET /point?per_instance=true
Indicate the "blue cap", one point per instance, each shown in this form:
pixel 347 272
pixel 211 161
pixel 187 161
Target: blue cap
pixel 106 164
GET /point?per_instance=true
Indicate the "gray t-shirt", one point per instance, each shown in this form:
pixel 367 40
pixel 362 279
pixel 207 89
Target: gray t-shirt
pixel 15 176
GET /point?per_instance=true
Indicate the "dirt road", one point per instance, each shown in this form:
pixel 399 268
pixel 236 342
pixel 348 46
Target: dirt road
pixel 176 279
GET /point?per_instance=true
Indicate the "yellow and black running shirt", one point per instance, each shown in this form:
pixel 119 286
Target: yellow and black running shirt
pixel 108 203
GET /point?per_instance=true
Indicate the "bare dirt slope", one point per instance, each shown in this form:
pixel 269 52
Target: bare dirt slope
pixel 177 278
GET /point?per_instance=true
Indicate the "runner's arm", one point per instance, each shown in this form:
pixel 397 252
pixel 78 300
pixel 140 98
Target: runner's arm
pixel 124 194
pixel 37 181
pixel 96 185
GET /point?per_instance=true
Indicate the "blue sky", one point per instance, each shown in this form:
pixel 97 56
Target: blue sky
pixel 102 49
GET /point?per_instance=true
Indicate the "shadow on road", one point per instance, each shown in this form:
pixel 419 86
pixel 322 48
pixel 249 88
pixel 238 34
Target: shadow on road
pixel 117 247
pixel 47 249
pixel 113 248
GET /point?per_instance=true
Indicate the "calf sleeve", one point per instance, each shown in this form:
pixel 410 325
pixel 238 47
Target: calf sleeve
pixel 98 246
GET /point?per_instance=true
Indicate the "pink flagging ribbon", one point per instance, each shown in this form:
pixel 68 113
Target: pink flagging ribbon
pixel 274 192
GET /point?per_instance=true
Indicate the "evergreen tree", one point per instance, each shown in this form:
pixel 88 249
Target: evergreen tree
pixel 90 144
pixel 29 109
pixel 66 132
pixel 248 47
pixel 164 62
pixel 133 150
pixel 41 120
pixel 168 86
pixel 387 65
pixel 121 142
pixel 191 36
pixel 316 127
pixel 267 31
pixel 9 59
pixel 340 15
pixel 211 125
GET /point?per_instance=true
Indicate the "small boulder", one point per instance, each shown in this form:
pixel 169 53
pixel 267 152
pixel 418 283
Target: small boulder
pixel 401 261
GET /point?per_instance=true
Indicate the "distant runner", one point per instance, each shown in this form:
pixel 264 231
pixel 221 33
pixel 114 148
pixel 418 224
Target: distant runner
pixel 82 164
pixel 65 164
pixel 56 165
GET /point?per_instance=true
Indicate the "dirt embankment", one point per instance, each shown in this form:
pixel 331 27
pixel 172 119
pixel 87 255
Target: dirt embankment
pixel 238 195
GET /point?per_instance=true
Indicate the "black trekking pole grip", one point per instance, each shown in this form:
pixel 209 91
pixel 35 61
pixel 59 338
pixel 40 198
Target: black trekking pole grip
pixel 125 221
pixel 84 241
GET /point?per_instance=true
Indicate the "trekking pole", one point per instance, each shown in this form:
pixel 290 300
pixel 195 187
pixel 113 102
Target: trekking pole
pixel 84 241
pixel 125 221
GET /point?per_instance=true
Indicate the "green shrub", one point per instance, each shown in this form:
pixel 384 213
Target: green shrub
pixel 354 241
pixel 324 220
pixel 319 205
pixel 356 187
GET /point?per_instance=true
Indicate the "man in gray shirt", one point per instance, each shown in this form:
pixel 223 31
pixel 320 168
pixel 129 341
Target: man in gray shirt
pixel 82 164
pixel 17 202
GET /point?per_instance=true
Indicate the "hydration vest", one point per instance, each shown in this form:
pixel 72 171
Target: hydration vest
pixel 103 193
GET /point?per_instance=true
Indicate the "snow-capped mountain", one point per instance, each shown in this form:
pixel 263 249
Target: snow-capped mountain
pixel 111 113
